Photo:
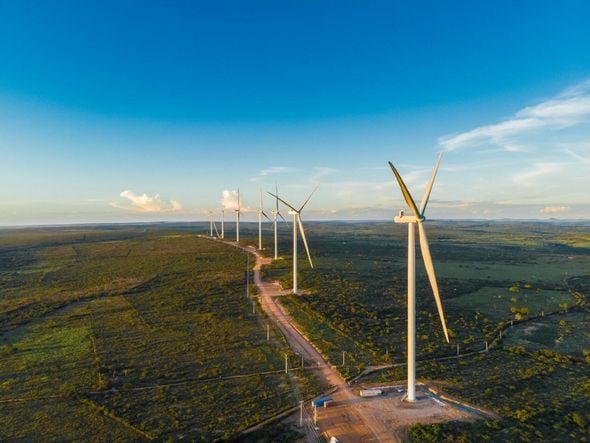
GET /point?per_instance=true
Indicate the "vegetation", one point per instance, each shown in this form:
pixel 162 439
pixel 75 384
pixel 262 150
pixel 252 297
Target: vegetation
pixel 488 274
pixel 133 333
pixel 138 332
pixel 529 280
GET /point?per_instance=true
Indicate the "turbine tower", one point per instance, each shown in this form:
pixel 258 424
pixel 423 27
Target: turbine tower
pixel 210 223
pixel 413 220
pixel 260 214
pixel 297 223
pixel 276 214
pixel 238 219
pixel 222 223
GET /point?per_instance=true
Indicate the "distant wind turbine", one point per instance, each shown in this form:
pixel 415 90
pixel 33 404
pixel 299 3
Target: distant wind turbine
pixel 210 223
pixel 260 214
pixel 413 220
pixel 276 214
pixel 238 219
pixel 297 223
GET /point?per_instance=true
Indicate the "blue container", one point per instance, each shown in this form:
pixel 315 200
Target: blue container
pixel 320 402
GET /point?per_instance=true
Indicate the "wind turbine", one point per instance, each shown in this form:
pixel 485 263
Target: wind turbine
pixel 210 223
pixel 260 214
pixel 297 223
pixel 276 214
pixel 238 219
pixel 413 220
pixel 222 223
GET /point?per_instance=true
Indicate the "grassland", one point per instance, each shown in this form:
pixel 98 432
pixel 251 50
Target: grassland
pixel 137 332
pixel 534 274
pixel 488 273
pixel 132 333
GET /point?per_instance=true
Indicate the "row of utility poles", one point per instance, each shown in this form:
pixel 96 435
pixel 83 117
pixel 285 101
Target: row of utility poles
pixel 286 355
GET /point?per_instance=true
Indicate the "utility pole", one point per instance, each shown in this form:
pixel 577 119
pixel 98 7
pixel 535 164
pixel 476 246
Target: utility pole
pixel 343 358
pixel 286 364
pixel 486 346
pixel 247 275
pixel 301 413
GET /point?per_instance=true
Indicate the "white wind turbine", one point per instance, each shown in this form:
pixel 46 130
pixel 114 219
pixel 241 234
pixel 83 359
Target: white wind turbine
pixel 238 219
pixel 210 223
pixel 222 223
pixel 260 214
pixel 413 220
pixel 297 223
pixel 276 214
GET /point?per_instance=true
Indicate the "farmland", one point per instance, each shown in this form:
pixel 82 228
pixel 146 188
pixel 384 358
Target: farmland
pixel 127 333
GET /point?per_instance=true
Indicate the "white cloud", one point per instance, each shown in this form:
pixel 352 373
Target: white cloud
pixel 554 209
pixel 539 170
pixel 145 203
pixel 229 199
pixel 321 171
pixel 276 170
pixel 569 108
pixel 415 178
pixel 579 151
pixel 563 110
pixel 494 134
pixel 272 170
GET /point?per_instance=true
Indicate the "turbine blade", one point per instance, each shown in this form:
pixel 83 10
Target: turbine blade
pixel 277 193
pixel 304 239
pixel 284 202
pixel 429 186
pixel 308 198
pixel 430 271
pixel 267 217
pixel 405 192
pixel 281 215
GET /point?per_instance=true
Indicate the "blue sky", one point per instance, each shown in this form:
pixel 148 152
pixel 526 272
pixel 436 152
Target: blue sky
pixel 120 111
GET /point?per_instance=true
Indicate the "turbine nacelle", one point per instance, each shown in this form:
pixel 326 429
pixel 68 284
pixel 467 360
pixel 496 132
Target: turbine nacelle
pixel 407 218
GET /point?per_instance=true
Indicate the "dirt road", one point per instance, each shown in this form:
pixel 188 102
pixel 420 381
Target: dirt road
pixel 350 417
pixel 346 420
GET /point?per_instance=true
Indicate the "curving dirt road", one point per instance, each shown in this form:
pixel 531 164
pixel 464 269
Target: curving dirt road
pixel 346 419
pixel 350 417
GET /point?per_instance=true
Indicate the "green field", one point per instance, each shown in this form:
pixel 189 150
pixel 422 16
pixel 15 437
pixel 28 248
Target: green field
pixel 133 333
pixel 119 333
pixel 537 378
pixel 496 303
pixel 485 271
pixel 567 334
